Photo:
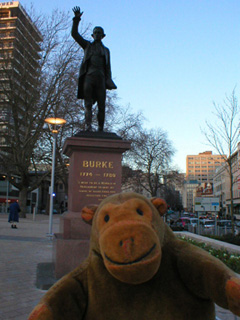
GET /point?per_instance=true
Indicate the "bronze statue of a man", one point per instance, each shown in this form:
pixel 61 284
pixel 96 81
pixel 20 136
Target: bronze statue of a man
pixel 95 72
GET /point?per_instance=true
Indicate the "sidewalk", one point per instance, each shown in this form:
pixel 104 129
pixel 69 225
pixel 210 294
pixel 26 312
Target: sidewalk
pixel 21 250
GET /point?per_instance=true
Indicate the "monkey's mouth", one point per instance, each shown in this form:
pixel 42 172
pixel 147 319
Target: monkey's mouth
pixel 142 257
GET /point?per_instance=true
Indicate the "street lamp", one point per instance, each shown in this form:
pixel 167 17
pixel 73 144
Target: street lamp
pixel 7 193
pixel 54 125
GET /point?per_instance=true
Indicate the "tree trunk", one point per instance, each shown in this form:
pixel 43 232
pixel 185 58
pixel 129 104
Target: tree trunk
pixel 47 205
pixel 231 198
pixel 23 202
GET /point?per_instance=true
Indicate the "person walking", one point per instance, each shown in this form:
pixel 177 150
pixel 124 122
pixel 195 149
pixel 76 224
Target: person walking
pixel 13 218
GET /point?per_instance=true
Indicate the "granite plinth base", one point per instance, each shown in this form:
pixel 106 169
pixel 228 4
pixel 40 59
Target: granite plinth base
pixel 95 172
pixel 73 227
pixel 95 169
pixel 68 254
pixel 71 245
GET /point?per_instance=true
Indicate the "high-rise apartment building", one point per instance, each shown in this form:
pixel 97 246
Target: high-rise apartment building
pixel 202 167
pixel 19 69
pixel 19 61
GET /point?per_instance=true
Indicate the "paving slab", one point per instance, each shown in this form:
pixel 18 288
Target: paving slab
pixel 25 257
pixel 21 251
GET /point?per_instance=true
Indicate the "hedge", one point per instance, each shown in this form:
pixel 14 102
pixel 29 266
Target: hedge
pixel 232 260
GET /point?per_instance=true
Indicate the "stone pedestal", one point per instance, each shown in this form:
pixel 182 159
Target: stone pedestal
pixel 95 172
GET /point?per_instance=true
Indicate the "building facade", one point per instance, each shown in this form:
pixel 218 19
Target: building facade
pixel 19 70
pixel 200 171
pixel 202 167
pixel 19 62
pixel 188 194
pixel 222 185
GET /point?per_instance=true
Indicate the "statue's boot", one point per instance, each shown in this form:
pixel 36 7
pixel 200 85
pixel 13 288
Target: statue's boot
pixel 88 120
pixel 88 127
pixel 101 117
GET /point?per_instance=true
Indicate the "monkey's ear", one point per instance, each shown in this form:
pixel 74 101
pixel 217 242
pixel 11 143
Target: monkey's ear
pixel 88 213
pixel 160 205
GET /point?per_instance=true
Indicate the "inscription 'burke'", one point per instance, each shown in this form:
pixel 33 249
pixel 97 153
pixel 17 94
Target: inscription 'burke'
pixel 98 164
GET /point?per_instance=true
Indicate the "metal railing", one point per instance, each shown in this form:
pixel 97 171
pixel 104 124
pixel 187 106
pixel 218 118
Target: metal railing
pixel 201 230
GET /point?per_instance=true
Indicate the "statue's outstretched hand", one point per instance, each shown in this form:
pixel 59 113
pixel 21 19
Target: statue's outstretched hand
pixel 77 12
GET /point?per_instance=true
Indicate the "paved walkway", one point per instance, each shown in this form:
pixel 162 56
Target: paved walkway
pixel 21 250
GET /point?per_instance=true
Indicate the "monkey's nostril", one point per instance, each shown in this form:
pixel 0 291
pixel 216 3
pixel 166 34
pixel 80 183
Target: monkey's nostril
pixel 126 242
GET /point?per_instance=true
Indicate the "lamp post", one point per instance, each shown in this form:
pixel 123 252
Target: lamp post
pixel 54 125
pixel 7 194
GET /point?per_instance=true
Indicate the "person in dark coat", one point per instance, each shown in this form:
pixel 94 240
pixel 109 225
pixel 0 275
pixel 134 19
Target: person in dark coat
pixel 14 210
pixel 95 72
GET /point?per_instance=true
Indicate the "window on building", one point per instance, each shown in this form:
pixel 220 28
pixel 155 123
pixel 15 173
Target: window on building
pixel 3 25
pixel 8 45
pixel 4 14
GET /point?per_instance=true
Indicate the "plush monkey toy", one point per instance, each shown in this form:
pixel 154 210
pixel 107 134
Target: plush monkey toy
pixel 138 269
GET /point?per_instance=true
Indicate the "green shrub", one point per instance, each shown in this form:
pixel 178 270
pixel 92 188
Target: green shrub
pixel 229 238
pixel 232 260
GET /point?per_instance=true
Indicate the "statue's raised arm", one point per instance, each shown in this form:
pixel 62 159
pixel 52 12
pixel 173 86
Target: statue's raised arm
pixel 77 12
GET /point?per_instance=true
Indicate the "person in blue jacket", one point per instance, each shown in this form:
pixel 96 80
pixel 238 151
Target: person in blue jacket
pixel 14 210
pixel 95 72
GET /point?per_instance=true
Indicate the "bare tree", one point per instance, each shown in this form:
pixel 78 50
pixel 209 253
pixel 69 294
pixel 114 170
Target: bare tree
pixel 150 157
pixel 28 102
pixel 126 122
pixel 27 141
pixel 223 136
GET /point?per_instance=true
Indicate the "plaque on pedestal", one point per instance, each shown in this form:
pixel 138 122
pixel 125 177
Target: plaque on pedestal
pixel 95 172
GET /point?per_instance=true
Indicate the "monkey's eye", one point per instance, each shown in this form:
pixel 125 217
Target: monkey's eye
pixel 106 218
pixel 140 212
